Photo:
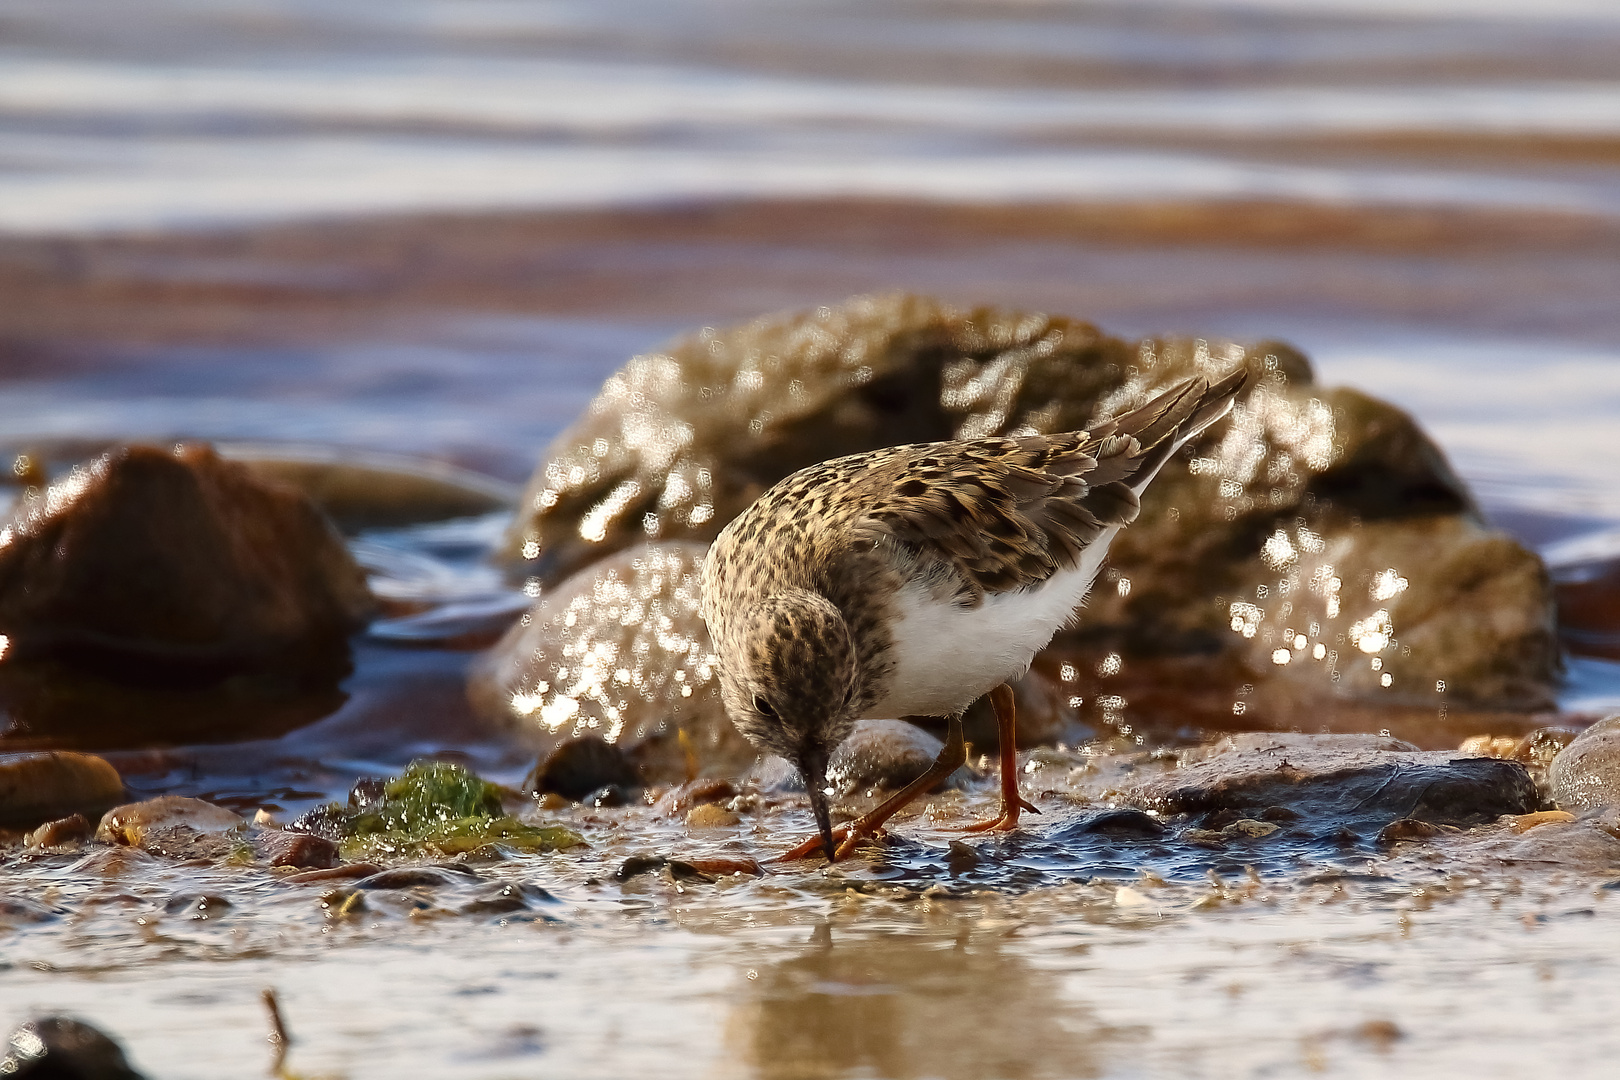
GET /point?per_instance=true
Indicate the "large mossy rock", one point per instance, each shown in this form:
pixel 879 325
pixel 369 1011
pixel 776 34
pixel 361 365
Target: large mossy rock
pixel 171 572
pixel 1314 549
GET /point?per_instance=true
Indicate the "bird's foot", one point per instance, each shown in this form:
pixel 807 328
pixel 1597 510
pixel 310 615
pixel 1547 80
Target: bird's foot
pixel 1006 821
pixel 845 837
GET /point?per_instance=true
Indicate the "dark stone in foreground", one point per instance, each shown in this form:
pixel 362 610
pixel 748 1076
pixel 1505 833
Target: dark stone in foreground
pixel 1586 773
pixel 581 766
pixel 1124 824
pixel 1355 780
pixel 59 1048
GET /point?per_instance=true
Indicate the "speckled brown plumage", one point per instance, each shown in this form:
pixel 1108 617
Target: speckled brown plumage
pixel 800 590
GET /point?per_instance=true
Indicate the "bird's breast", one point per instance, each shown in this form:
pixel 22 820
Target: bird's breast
pixel 945 657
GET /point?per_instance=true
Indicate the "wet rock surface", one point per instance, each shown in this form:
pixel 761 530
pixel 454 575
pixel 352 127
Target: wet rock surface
pixel 1315 550
pixel 176 559
pixel 1347 780
pixel 153 594
pixel 882 755
pixel 62 1048
pixel 35 788
pixel 618 652
pixel 136 824
pixel 580 767
pixel 1586 773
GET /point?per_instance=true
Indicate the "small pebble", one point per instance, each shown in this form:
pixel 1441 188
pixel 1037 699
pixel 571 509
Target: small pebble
pixel 1250 828
pixel 296 849
pixel 62 831
pixel 1522 823
pixel 679 801
pixel 710 816
pixel 1127 897
pixel 1412 829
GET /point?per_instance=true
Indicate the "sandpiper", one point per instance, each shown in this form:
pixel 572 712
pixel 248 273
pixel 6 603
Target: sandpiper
pixel 913 580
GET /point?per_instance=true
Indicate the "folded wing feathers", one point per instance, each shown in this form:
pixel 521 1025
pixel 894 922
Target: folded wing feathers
pixel 1015 511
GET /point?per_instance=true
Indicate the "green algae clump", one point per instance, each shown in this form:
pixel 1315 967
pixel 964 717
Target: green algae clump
pixel 433 807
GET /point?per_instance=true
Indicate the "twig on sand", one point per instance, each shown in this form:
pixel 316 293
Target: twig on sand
pixel 279 1039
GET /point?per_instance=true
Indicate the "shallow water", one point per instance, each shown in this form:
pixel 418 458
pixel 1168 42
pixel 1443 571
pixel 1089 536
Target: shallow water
pixel 1035 963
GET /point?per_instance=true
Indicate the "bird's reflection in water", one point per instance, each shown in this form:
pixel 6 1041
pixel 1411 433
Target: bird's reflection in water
pixel 901 1006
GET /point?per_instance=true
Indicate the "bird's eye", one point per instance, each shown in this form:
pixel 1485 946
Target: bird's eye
pixel 763 707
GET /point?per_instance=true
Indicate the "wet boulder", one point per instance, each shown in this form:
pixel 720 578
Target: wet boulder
pixel 148 577
pixel 148 558
pixel 1329 782
pixel 620 653
pixel 1586 773
pixel 1314 550
pixel 36 788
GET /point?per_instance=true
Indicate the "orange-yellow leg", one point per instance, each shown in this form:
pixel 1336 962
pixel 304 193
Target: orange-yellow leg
pixel 1001 699
pixel 950 758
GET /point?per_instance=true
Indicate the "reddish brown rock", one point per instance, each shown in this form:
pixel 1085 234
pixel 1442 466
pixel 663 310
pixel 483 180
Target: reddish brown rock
pixel 61 832
pixel 148 561
pixel 678 801
pixel 305 850
pixel 1589 605
pixel 157 597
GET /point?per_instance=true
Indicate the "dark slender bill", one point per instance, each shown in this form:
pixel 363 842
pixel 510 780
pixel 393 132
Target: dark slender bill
pixel 813 767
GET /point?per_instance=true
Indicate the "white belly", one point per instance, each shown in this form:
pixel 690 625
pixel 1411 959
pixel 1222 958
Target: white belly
pixel 947 657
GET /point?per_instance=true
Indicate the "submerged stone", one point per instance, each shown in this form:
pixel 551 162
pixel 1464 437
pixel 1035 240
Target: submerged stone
pixel 1588 590
pixel 1315 549
pixel 35 788
pixel 1586 774
pixel 61 833
pixel 1353 781
pixel 376 491
pixel 282 848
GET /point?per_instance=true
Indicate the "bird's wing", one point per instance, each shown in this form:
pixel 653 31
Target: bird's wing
pixel 998 515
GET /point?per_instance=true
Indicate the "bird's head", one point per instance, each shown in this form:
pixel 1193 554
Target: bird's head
pixel 793 692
